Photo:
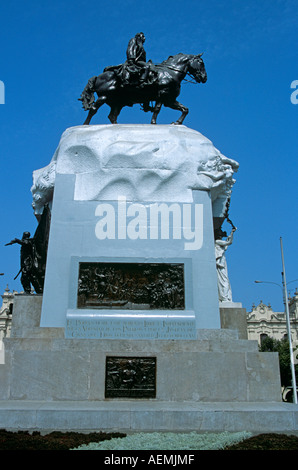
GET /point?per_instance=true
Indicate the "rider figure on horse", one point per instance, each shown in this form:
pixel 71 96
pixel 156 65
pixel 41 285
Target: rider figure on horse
pixel 136 70
pixel 138 81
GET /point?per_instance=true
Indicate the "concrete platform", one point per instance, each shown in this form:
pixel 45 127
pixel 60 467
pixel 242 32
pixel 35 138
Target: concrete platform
pixel 147 416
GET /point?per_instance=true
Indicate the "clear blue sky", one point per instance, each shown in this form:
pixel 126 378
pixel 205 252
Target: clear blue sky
pixel 49 49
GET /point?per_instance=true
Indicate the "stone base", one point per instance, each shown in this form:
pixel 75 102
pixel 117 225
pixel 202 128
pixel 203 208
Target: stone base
pixel 217 366
pixel 137 194
pixel 233 316
pixel 215 382
pixel 148 416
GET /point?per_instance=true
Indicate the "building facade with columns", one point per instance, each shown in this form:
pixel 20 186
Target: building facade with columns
pixel 6 313
pixel 5 319
pixel 262 321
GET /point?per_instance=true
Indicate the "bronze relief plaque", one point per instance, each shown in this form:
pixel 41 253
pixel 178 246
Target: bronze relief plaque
pixel 130 377
pixel 133 286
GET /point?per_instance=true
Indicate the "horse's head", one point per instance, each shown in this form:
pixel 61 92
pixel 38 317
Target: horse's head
pixel 196 68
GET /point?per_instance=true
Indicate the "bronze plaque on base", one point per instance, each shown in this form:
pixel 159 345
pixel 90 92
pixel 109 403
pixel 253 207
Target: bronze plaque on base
pixel 130 377
pixel 131 286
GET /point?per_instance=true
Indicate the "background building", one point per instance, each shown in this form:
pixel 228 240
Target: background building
pixel 5 319
pixel 6 313
pixel 262 321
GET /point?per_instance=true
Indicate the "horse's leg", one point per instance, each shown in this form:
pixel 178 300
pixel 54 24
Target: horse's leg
pixel 98 103
pixel 156 110
pixel 179 107
pixel 89 117
pixel 115 111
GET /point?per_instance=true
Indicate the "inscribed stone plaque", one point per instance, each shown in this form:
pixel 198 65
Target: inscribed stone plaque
pixel 126 327
pixel 130 377
pixel 132 286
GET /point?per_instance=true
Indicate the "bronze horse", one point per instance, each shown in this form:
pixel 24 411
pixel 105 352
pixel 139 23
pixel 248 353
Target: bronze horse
pixel 162 88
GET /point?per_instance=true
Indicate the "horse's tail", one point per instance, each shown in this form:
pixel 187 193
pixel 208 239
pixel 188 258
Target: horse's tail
pixel 87 96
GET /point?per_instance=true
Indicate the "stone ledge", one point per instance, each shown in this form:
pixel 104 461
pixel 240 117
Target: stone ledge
pixel 128 416
pixel 52 342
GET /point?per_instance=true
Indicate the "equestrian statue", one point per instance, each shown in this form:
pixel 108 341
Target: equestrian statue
pixel 141 81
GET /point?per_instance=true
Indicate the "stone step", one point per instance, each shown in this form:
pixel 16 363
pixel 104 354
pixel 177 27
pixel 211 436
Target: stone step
pixel 148 416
